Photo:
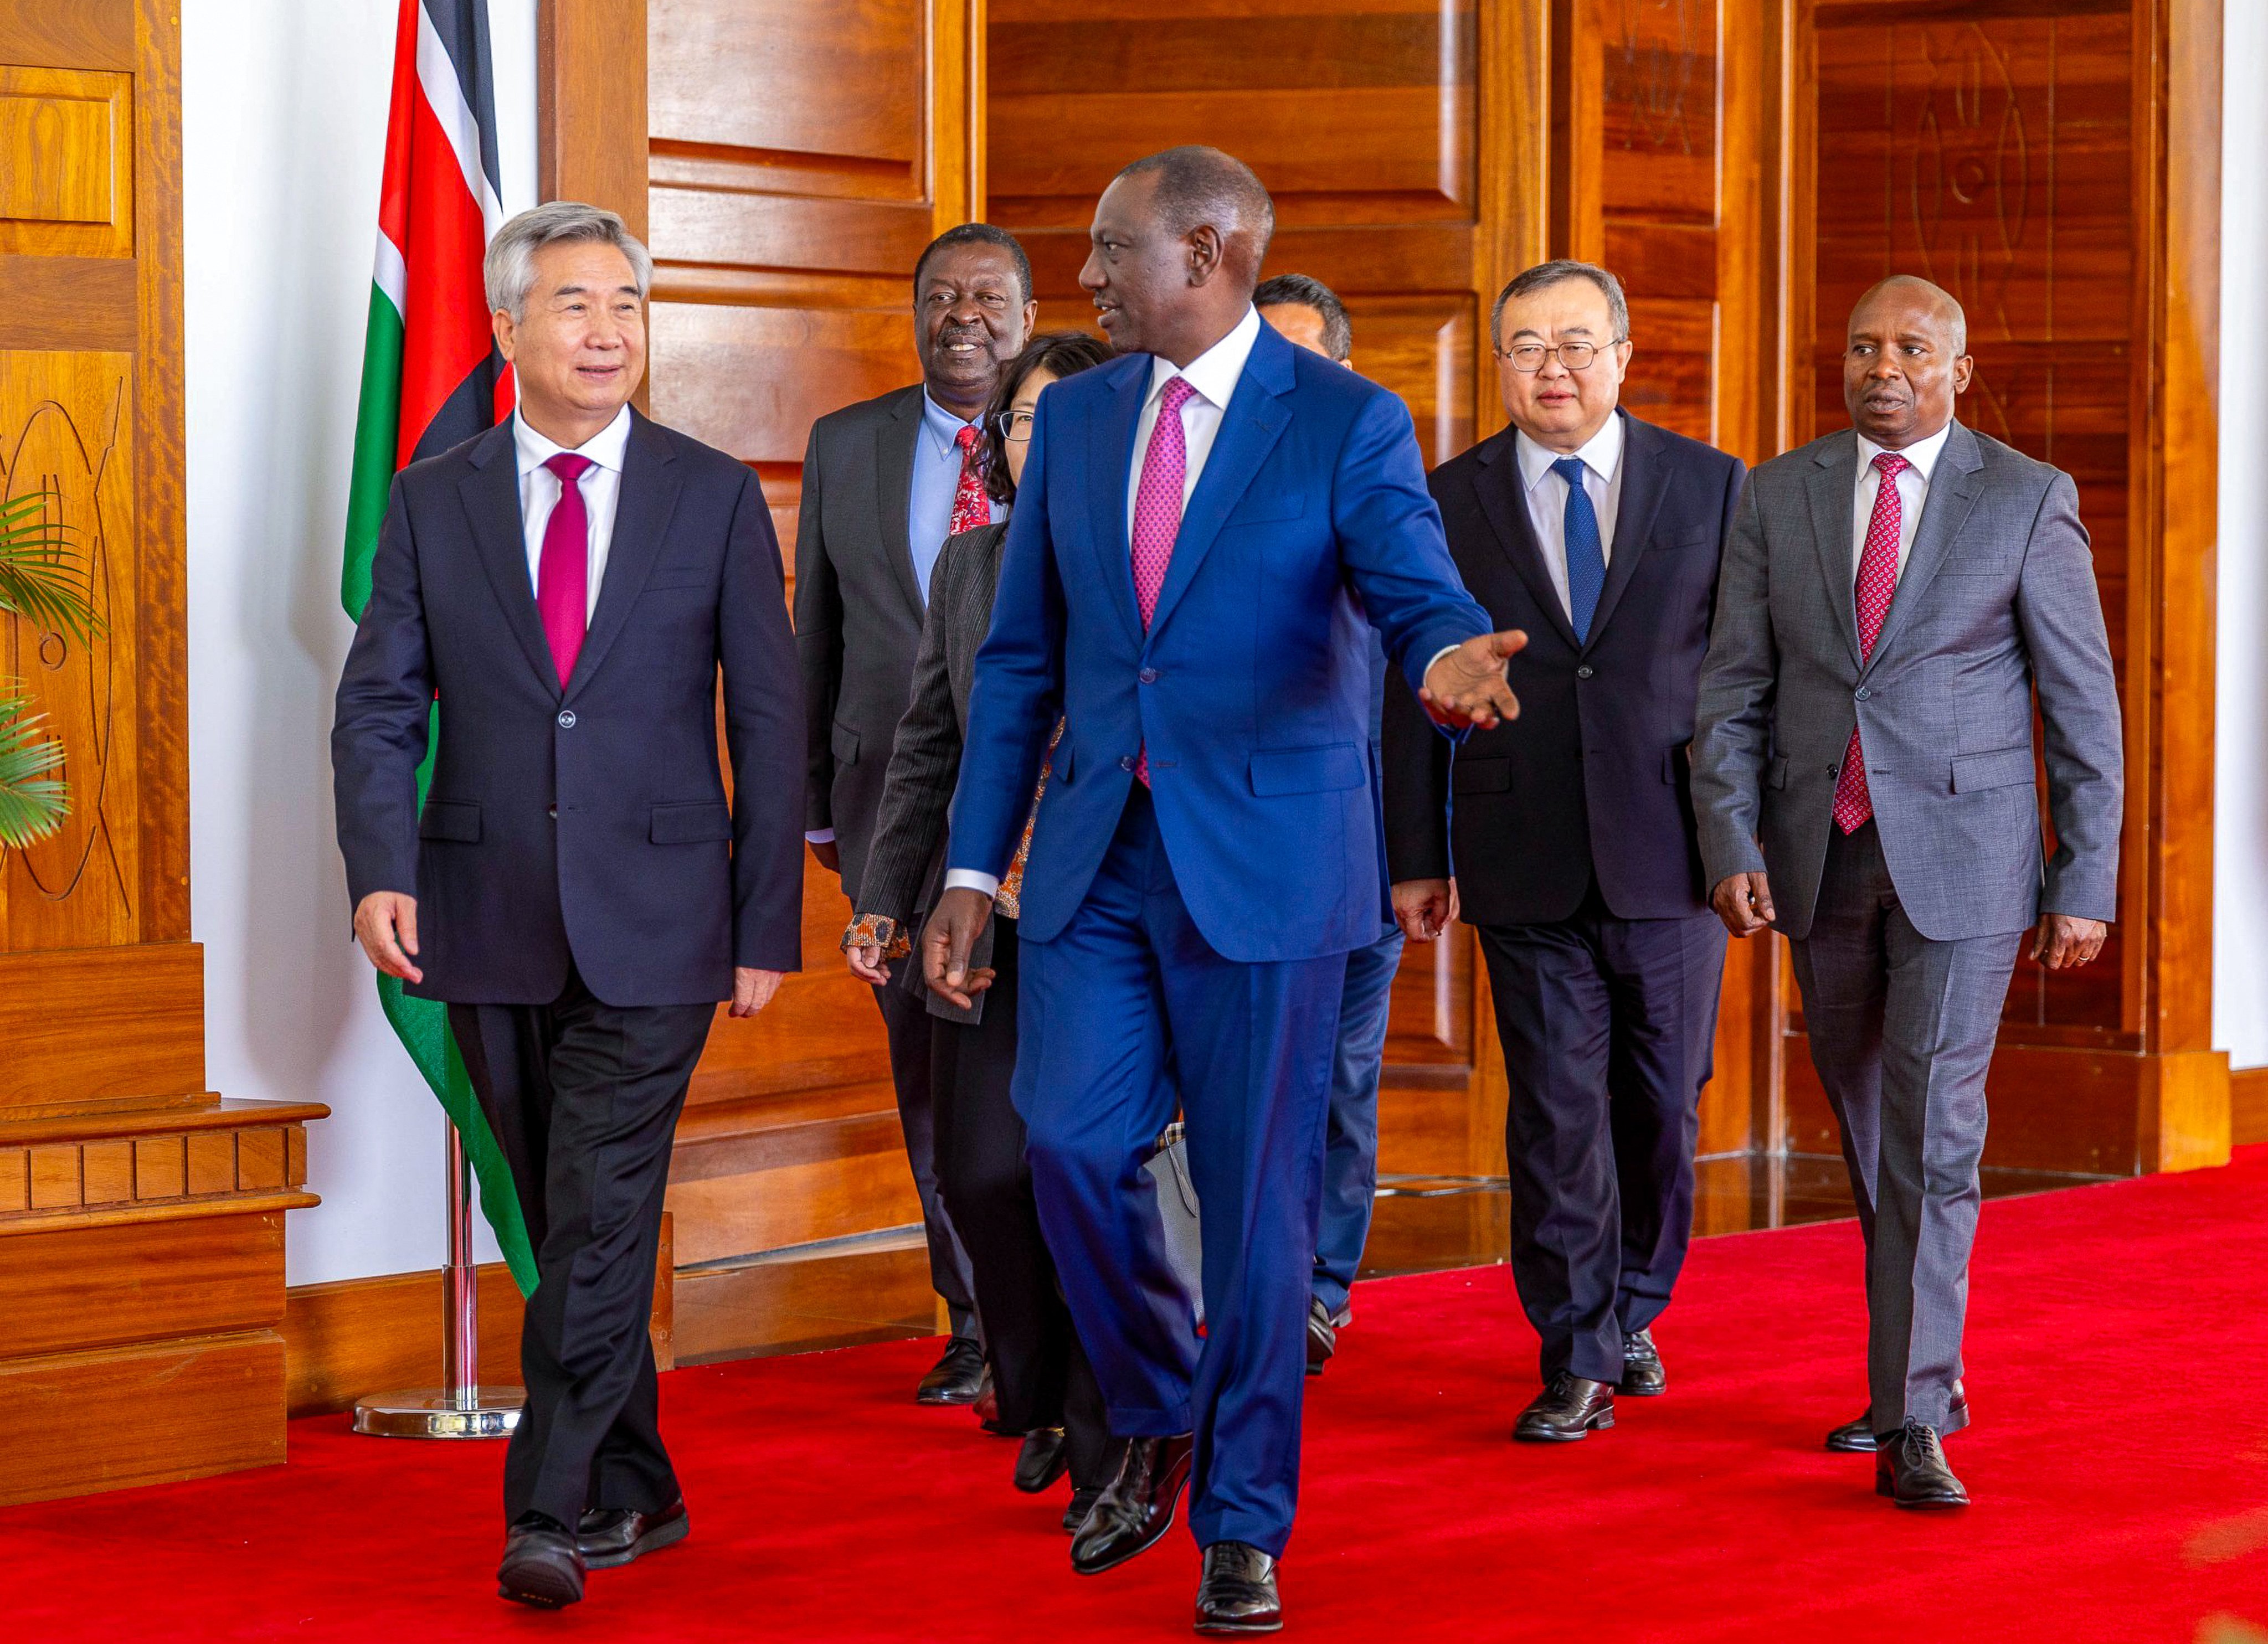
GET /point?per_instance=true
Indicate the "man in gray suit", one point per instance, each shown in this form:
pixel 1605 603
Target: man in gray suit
pixel 885 483
pixel 1892 598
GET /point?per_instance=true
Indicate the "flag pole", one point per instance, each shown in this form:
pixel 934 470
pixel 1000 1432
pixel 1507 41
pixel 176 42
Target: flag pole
pixel 461 1407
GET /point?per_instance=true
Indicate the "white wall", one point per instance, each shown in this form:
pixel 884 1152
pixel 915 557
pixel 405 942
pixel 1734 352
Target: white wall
pixel 284 116
pixel 2239 924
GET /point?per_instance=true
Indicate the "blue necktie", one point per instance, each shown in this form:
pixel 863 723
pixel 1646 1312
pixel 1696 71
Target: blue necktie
pixel 1587 561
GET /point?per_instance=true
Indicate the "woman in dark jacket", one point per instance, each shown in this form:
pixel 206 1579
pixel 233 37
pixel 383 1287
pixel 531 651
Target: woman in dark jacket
pixel 1041 1377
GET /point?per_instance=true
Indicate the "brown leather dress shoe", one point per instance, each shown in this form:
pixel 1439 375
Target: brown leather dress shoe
pixel 610 1536
pixel 1567 1410
pixel 1910 1468
pixel 1643 1377
pixel 1237 1592
pixel 1136 1509
pixel 540 1566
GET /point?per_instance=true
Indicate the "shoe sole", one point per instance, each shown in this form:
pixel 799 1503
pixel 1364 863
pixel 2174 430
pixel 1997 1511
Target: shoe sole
pixel 1139 1548
pixel 1239 1629
pixel 652 1541
pixel 1622 1391
pixel 539 1588
pixel 1596 1424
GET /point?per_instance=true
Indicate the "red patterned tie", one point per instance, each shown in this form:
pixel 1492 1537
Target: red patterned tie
pixel 1878 580
pixel 562 574
pixel 1157 511
pixel 970 507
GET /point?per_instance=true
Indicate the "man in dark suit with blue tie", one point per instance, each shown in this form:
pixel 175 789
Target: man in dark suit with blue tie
pixel 571 583
pixel 1572 848
pixel 1196 524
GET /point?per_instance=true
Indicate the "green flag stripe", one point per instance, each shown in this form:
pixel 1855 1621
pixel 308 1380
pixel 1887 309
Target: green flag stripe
pixel 422 1025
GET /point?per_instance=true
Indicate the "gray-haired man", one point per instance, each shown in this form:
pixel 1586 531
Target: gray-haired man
pixel 577 888
pixel 1892 598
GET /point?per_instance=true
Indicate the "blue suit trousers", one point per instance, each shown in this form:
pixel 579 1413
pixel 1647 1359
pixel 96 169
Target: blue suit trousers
pixel 1351 1136
pixel 1125 1008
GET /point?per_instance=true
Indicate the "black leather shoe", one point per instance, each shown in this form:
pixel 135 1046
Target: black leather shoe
pixel 1643 1377
pixel 1856 1438
pixel 540 1566
pixel 1082 1502
pixel 1910 1469
pixel 1136 1509
pixel 1043 1460
pixel 1323 1335
pixel 1567 1410
pixel 1237 1592
pixel 960 1376
pixel 610 1536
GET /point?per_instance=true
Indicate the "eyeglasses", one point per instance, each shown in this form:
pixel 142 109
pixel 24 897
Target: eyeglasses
pixel 1576 356
pixel 1016 427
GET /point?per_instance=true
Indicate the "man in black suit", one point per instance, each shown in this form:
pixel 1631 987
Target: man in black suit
pixel 577 887
pixel 885 483
pixel 1572 847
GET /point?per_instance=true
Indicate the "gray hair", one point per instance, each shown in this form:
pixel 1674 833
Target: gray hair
pixel 508 271
pixel 1544 274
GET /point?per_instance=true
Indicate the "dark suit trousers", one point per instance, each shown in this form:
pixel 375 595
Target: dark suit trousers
pixel 1040 1372
pixel 1901 1031
pixel 1350 1134
pixel 582 1098
pixel 1608 1026
pixel 911 1030
pixel 1127 998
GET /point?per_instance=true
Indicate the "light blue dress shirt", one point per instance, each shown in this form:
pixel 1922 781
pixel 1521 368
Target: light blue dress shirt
pixel 937 475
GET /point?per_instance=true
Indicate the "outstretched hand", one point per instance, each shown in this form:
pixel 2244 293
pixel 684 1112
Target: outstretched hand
pixel 1467 687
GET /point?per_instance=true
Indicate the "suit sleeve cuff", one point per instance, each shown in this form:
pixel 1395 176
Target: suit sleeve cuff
pixel 969 879
pixel 820 836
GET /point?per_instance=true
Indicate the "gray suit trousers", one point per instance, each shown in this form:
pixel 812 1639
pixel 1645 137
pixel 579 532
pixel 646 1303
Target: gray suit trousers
pixel 1901 1031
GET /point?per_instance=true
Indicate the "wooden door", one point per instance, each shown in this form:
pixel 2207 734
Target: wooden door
pixel 141 1219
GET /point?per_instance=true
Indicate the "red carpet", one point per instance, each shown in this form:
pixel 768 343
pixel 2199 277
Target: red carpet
pixel 2119 1460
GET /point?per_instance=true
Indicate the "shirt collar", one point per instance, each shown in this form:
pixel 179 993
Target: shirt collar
pixel 1213 373
pixel 1601 453
pixel 1923 453
pixel 941 425
pixel 604 448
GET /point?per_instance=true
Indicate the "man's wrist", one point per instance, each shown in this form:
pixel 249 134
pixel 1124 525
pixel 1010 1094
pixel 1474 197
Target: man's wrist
pixel 985 885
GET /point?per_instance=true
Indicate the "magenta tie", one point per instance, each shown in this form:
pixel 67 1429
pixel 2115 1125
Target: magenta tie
pixel 562 574
pixel 1878 580
pixel 1158 513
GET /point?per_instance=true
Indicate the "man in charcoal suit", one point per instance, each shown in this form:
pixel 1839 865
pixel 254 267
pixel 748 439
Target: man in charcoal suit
pixel 1573 845
pixel 577 888
pixel 1895 598
pixel 885 483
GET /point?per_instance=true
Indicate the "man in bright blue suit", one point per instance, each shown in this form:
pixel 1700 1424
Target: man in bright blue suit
pixel 1205 531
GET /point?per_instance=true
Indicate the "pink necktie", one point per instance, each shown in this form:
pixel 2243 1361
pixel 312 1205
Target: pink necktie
pixel 562 574
pixel 1158 513
pixel 971 506
pixel 1878 580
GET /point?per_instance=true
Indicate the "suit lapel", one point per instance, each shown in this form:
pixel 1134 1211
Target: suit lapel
pixel 1109 461
pixel 1501 489
pixel 1952 493
pixel 1645 477
pixel 1254 421
pixel 642 512
pixel 1834 476
pixel 894 466
pixel 491 498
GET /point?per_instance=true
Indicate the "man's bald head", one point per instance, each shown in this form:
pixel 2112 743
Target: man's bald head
pixel 1196 186
pixel 1174 252
pixel 1904 361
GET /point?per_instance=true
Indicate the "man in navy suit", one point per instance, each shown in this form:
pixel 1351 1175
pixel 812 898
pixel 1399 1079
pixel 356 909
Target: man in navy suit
pixel 1574 850
pixel 577 888
pixel 1196 524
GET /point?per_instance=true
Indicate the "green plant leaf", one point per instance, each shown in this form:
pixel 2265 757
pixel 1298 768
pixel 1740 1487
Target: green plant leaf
pixel 33 802
pixel 42 579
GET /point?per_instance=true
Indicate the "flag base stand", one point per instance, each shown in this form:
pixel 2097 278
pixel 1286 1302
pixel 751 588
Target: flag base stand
pixel 464 1409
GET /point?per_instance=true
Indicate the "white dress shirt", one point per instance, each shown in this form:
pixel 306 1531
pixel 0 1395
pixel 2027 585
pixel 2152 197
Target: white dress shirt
pixel 601 486
pixel 1601 456
pixel 1913 491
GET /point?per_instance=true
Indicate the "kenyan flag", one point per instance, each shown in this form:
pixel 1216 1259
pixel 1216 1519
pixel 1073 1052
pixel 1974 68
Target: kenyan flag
pixel 431 379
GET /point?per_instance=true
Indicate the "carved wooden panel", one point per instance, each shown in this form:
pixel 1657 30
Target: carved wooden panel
pixel 1996 157
pixel 66 162
pixel 67 435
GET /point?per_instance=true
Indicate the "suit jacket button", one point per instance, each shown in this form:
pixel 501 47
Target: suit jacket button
pixel 552 812
pixel 1862 693
pixel 1835 770
pixel 1148 676
pixel 1126 762
pixel 566 719
pixel 1583 673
